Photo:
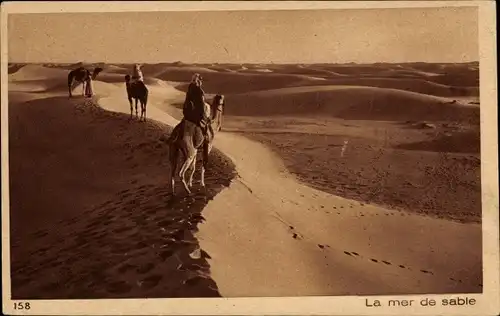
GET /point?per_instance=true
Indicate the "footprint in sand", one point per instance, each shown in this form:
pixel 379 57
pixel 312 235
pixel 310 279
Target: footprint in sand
pixel 167 253
pixel 151 281
pixel 145 268
pixel 50 287
pixel 118 287
pixel 121 229
pixel 40 234
pixel 194 280
pixel 125 267
pixel 166 222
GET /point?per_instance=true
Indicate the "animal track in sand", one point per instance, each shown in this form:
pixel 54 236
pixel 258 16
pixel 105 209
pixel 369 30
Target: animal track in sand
pixel 40 234
pixel 151 281
pixel 145 268
pixel 352 254
pixel 295 234
pixel 118 287
pixel 122 236
pixel 125 267
pixel 167 253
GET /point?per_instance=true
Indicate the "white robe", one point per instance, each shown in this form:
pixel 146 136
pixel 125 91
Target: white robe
pixel 137 75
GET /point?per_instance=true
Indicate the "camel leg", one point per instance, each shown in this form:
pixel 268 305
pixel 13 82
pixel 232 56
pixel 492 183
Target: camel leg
pixel 206 151
pixel 144 109
pixel 131 108
pixel 182 172
pixel 73 86
pixel 202 181
pixel 193 169
pixel 143 117
pixel 83 88
pixel 173 153
pixel 136 111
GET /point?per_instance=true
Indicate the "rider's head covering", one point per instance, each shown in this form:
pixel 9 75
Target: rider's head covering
pixel 196 77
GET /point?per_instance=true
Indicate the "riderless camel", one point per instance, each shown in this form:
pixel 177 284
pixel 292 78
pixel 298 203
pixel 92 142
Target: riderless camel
pixel 137 90
pixel 83 76
pixel 187 138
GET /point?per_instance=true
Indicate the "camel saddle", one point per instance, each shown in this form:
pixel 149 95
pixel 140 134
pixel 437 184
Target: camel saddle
pixel 204 125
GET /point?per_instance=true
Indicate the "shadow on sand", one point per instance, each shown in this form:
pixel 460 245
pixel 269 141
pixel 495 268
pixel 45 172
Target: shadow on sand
pixel 91 211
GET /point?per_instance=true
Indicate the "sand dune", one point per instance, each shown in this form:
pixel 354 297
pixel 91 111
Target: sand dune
pixel 350 102
pixel 305 70
pixel 220 69
pixel 228 83
pixel 408 84
pixel 13 68
pixel 291 239
pixel 117 69
pixel 231 81
pixel 459 80
pixel 228 79
pixel 256 70
pixel 461 142
pixel 36 72
pixel 93 182
pixel 103 184
pixel 340 239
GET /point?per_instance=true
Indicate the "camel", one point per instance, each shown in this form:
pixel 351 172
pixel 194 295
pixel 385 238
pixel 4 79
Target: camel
pixel 138 91
pixel 83 76
pixel 187 138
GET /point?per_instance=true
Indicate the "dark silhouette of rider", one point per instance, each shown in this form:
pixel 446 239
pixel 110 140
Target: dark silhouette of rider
pixel 194 105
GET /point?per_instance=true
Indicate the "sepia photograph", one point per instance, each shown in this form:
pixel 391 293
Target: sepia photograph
pixel 249 153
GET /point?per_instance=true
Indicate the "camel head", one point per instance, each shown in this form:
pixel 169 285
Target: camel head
pixel 218 103
pixel 96 71
pixel 127 78
pixel 217 110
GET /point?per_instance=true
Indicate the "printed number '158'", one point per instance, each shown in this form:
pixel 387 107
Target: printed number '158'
pixel 22 305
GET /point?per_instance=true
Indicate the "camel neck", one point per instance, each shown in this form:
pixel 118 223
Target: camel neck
pixel 217 120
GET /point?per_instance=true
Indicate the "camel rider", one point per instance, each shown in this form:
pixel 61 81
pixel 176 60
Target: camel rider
pixel 195 109
pixel 89 91
pixel 137 74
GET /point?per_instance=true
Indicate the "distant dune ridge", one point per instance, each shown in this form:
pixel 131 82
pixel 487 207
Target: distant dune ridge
pixel 332 170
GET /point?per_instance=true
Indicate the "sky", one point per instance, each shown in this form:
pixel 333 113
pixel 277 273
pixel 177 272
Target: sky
pixel 294 36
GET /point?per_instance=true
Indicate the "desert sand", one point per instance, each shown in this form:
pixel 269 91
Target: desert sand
pixel 326 180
